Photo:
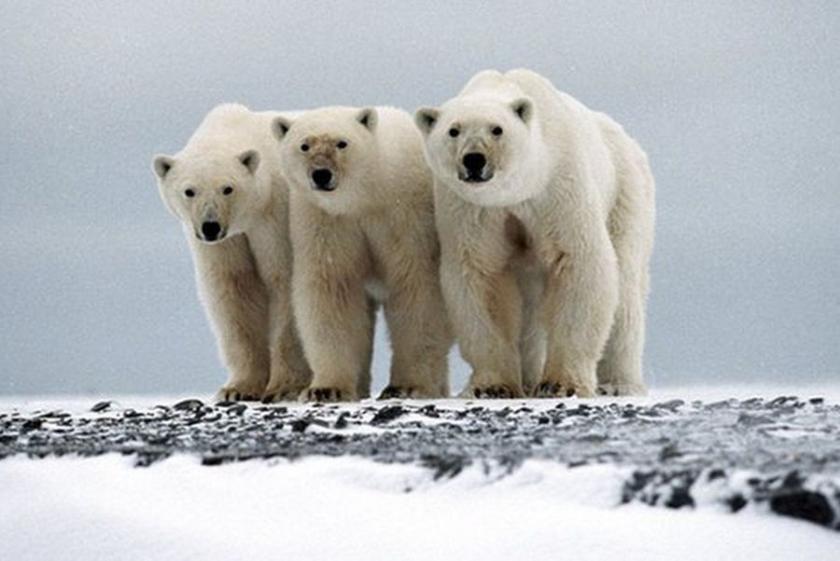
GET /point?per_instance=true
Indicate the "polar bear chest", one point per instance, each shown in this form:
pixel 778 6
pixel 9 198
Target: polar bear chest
pixel 376 289
pixel 518 238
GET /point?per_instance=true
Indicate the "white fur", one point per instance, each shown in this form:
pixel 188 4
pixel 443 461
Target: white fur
pixel 545 264
pixel 372 237
pixel 244 279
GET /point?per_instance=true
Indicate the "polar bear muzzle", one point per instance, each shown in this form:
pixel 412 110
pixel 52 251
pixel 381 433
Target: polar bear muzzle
pixel 323 179
pixel 474 168
pixel 211 231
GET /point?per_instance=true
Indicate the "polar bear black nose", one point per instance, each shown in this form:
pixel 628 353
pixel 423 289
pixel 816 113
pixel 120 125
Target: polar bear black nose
pixel 322 177
pixel 211 230
pixel 474 162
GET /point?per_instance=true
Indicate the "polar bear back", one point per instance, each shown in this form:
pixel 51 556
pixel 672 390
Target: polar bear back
pixel 400 147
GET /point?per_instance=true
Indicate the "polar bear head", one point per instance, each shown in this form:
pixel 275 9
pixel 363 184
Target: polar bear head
pixel 329 154
pixel 214 193
pixel 483 147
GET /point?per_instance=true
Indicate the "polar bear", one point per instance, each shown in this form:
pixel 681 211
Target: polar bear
pixel 545 211
pixel 363 231
pixel 226 188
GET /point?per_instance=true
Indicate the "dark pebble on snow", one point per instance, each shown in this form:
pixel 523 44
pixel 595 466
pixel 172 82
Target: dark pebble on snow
pixel 299 425
pixel 101 406
pixel 188 405
pixel 31 424
pixel 804 504
pixel 388 413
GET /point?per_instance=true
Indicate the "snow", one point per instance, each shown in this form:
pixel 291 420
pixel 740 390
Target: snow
pixel 351 508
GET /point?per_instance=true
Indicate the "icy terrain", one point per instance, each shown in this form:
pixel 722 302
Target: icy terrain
pixel 755 476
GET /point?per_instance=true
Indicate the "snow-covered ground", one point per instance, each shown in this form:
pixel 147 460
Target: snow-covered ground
pixel 349 509
pixel 349 506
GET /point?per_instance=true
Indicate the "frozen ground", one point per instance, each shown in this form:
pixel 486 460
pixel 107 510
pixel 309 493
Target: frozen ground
pixel 542 479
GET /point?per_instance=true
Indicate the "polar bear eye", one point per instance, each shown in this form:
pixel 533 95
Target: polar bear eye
pixel 227 190
pixel 189 193
pixel 304 148
pixel 342 144
pixel 453 132
pixel 497 131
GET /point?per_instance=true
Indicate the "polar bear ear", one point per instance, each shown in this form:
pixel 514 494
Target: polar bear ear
pixel 162 164
pixel 280 127
pixel 425 118
pixel 523 108
pixel 367 117
pixel 250 159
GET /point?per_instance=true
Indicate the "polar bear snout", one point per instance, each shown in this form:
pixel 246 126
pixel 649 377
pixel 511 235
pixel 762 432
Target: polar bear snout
pixel 475 168
pixel 211 231
pixel 323 179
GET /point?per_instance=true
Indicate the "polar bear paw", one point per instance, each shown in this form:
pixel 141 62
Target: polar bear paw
pixel 326 395
pixel 558 389
pixel 621 390
pixel 280 394
pixel 409 392
pixel 493 391
pixel 234 392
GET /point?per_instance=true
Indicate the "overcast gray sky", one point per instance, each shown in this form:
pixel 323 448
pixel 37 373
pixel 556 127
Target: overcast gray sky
pixel 736 103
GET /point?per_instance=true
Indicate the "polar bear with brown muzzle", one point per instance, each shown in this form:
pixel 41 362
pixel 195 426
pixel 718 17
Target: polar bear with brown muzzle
pixel 363 233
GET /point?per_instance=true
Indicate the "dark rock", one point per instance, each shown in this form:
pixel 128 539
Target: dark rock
pixel 736 502
pixel 804 504
pixel 212 460
pixel 101 406
pixel 680 498
pixel 782 400
pixel 237 409
pixel 387 414
pixel 188 405
pixel 716 473
pixel 31 424
pixel 430 411
pixel 299 425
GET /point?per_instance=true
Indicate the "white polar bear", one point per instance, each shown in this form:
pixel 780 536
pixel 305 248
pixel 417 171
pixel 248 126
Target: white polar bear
pixel 225 186
pixel 363 230
pixel 545 211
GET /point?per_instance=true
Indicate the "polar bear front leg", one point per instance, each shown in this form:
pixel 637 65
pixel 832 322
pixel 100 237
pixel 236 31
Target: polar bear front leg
pixel 235 300
pixel 579 304
pixel 485 311
pixel 420 338
pixel 289 373
pixel 335 324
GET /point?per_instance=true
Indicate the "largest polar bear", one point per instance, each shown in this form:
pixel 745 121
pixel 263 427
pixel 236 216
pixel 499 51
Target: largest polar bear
pixel 545 211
